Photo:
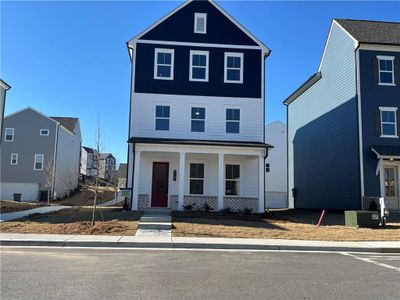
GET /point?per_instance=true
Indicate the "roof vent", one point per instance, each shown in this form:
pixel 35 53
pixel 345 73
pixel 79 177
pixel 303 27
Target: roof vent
pixel 200 23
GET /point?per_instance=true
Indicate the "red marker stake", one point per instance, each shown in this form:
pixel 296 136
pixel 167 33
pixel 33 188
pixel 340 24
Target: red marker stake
pixel 321 217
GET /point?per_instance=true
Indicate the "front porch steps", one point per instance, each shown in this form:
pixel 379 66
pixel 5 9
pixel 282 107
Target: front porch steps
pixel 155 222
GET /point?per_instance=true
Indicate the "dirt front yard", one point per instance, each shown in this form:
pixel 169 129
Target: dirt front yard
pixel 286 224
pixel 8 206
pixel 77 221
pixel 85 197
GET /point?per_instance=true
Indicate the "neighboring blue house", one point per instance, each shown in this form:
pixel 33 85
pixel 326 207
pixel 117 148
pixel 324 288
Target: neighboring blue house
pixel 343 123
pixel 196 134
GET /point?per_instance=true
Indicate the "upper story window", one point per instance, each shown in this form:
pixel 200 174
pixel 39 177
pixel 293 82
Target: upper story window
pixel 200 23
pixel 388 122
pixel 38 163
pixel 198 119
pixel 14 158
pixel 198 66
pixel 232 120
pixel 232 180
pixel 233 70
pixel 386 70
pixel 164 64
pixel 162 117
pixel 9 135
pixel 44 132
pixel 196 179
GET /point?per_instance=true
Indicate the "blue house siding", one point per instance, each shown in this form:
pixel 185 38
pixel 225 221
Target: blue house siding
pixel 372 97
pixel 326 161
pixel 179 27
pixel 323 152
pixel 180 85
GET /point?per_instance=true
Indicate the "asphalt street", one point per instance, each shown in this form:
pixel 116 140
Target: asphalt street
pixel 61 273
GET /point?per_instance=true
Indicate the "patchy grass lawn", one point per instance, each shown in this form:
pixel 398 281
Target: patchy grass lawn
pixel 85 197
pixel 74 221
pixel 285 224
pixel 7 206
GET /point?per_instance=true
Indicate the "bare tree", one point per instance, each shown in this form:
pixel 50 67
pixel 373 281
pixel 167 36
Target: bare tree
pixel 48 174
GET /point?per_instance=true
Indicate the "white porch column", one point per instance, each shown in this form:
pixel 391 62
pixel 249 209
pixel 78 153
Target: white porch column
pixel 261 182
pixel 136 174
pixel 220 181
pixel 181 192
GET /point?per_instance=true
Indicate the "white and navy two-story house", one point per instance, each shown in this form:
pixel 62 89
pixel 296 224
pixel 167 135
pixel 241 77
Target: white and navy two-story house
pixel 196 134
pixel 344 122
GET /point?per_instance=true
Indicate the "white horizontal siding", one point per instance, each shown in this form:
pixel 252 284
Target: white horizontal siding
pixel 143 117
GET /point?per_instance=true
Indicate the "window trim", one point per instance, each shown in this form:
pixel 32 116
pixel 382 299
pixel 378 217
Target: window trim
pixel 5 134
pixel 198 52
pixel 35 161
pixel 238 121
pixel 204 175
pixel 233 54
pixel 163 50
pixel 162 118
pixel 200 15
pixel 237 180
pixel 391 109
pixel 391 58
pixel 48 132
pixel 16 159
pixel 191 119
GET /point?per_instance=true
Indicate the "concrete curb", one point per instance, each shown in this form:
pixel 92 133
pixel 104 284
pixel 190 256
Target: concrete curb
pixel 182 245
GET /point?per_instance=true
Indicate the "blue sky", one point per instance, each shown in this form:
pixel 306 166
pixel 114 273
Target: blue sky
pixel 70 58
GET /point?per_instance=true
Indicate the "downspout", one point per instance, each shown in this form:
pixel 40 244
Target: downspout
pixel 54 161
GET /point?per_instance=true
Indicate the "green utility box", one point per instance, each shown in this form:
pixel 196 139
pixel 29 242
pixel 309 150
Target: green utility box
pixel 361 218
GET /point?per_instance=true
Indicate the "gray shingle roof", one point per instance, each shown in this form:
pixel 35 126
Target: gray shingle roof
pixel 67 122
pixel 387 150
pixel 372 32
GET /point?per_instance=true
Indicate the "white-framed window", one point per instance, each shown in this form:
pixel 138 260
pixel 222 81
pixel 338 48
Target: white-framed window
pixel 196 186
pixel 233 69
pixel 164 64
pixel 200 23
pixel 9 135
pixel 388 122
pixel 198 65
pixel 386 70
pixel 14 158
pixel 267 167
pixel 162 117
pixel 232 120
pixel 198 119
pixel 44 132
pixel 232 180
pixel 38 163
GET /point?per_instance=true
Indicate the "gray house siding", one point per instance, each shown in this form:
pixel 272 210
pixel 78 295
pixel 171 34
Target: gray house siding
pixel 372 97
pixel 323 160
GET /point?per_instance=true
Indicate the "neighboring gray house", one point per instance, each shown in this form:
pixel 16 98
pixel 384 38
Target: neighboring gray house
pixel 39 155
pixel 4 87
pixel 107 166
pixel 122 175
pixel 88 162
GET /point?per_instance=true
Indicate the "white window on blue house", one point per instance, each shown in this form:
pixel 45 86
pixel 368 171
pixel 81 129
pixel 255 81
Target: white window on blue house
pixel 233 70
pixel 162 117
pixel 198 119
pixel 196 179
pixel 232 120
pixel 232 180
pixel 38 163
pixel 14 158
pixel 164 64
pixel 200 23
pixel 388 122
pixel 198 66
pixel 9 135
pixel 386 70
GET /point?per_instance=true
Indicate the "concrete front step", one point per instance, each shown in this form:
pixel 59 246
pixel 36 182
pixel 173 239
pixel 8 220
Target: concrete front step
pixel 154 226
pixel 156 219
pixel 157 212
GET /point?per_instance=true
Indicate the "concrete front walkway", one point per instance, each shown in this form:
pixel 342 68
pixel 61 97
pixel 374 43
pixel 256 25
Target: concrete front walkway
pixel 172 243
pixel 22 214
pixel 156 223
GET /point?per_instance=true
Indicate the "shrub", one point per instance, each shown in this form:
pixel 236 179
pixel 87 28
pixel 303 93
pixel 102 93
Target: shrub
pixel 207 207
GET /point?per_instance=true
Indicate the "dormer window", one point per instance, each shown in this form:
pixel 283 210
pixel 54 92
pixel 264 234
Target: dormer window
pixel 200 23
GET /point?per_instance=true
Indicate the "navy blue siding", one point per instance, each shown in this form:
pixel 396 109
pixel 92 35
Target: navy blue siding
pixel 373 96
pixel 145 82
pixel 326 173
pixel 179 27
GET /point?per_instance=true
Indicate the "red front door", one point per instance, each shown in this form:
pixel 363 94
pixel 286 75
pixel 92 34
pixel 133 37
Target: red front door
pixel 159 193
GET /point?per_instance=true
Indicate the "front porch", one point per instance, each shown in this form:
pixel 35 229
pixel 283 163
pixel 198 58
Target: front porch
pixel 198 177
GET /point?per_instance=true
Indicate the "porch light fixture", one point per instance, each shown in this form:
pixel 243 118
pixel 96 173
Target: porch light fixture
pixel 391 159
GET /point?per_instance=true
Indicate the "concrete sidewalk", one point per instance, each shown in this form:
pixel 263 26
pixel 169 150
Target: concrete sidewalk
pixel 22 214
pixel 10 239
